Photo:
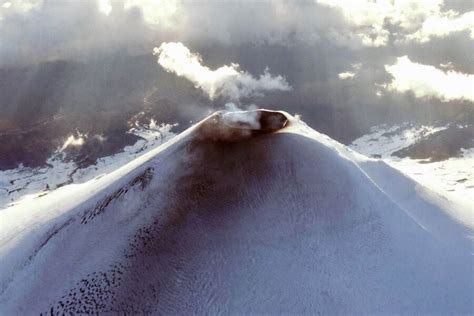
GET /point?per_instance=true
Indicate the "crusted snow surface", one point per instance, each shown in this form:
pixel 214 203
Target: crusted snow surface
pixel 284 222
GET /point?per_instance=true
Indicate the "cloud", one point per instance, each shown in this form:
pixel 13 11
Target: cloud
pixel 443 25
pixel 156 13
pixel 227 81
pixel 428 81
pixel 105 6
pixel 419 21
pixel 20 7
pixel 346 75
pixel 368 18
pixel 350 74
pixel 37 30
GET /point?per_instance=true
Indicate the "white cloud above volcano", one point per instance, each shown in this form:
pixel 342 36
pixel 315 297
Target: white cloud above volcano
pixel 429 81
pixel 227 81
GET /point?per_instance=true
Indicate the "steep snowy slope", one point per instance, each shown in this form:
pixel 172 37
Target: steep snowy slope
pixel 259 215
pixel 29 183
pixel 449 167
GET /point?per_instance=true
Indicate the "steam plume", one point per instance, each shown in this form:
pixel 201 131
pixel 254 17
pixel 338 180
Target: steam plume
pixel 227 81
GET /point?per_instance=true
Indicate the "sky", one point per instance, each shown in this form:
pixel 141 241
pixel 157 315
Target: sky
pixel 345 55
pixel 36 30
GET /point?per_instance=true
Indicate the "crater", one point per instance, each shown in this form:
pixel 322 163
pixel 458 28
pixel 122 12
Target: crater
pixel 240 125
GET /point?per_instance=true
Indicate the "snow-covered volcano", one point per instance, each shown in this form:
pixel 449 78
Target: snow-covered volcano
pixel 241 214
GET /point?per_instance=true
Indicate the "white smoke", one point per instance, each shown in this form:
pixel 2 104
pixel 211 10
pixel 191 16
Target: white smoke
pixel 228 81
pixel 250 117
pixel 74 141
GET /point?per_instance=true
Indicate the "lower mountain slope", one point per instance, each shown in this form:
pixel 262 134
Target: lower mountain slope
pixel 261 217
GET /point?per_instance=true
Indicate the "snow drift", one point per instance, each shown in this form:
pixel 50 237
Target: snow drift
pixel 267 217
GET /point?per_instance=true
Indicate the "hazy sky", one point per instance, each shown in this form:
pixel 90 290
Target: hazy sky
pixel 409 39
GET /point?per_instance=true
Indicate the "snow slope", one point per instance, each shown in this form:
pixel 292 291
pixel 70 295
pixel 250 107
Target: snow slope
pixel 22 183
pixel 283 222
pixel 452 178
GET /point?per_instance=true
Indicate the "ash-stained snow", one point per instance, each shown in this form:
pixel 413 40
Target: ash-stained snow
pixel 289 222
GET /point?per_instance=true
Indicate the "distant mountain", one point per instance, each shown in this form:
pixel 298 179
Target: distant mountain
pixel 441 145
pixel 243 213
pixel 42 105
pixel 439 156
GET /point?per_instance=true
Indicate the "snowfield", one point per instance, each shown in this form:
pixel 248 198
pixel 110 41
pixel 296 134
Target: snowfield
pixel 287 222
pixel 22 183
pixel 452 178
